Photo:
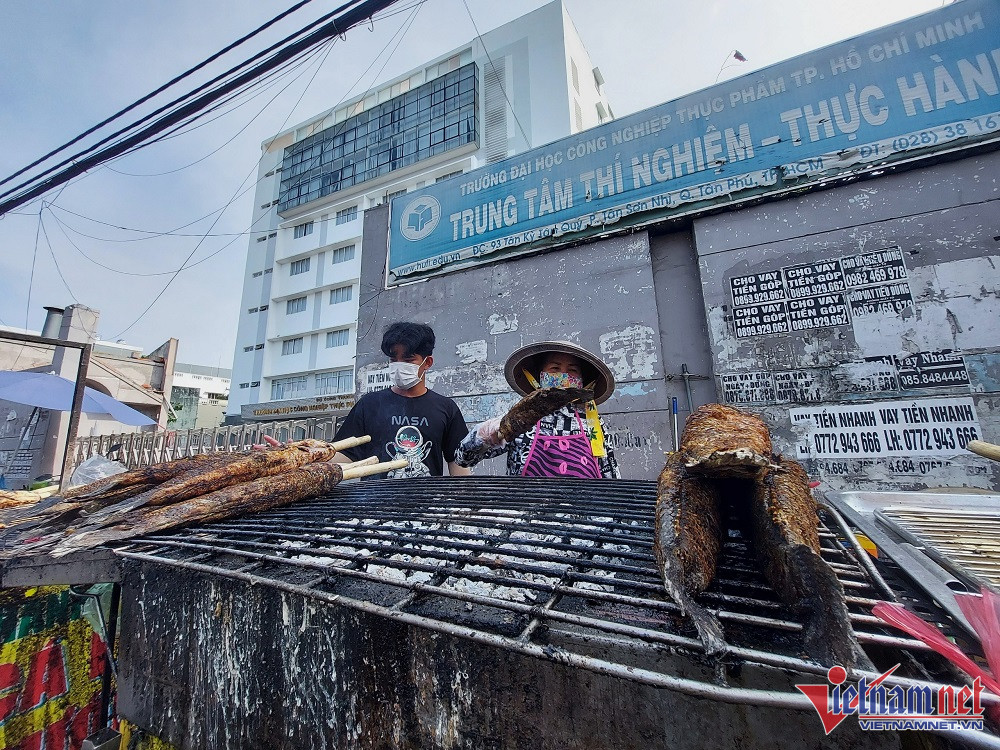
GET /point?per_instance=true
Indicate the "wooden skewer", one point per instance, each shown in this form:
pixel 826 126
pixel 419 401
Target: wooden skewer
pixel 984 449
pixel 367 471
pixel 351 442
pixel 363 462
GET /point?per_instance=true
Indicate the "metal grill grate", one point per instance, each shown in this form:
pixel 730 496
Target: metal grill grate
pixel 557 570
pixel 964 540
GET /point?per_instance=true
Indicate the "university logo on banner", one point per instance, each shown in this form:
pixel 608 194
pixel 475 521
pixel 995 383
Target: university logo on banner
pixel 420 218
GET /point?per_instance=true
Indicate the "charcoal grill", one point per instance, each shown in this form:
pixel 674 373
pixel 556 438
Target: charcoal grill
pixel 548 583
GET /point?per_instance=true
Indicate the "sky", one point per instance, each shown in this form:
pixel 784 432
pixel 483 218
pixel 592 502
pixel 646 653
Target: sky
pixel 68 64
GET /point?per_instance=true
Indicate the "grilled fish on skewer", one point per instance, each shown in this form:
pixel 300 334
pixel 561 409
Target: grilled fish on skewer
pixel 261 494
pixel 787 540
pixel 539 403
pixel 199 481
pixel 720 441
pixel 155 474
pixel 687 542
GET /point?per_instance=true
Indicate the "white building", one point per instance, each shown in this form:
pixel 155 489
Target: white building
pixel 524 84
pixel 199 396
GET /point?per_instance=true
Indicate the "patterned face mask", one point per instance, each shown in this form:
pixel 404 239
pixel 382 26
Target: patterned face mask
pixel 559 380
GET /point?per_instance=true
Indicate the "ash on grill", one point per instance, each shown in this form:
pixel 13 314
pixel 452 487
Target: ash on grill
pixel 557 570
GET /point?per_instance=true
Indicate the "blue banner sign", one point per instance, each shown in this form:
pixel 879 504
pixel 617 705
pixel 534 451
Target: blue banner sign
pixel 920 87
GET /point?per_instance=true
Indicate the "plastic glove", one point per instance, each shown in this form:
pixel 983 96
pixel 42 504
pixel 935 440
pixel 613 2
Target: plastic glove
pixel 489 431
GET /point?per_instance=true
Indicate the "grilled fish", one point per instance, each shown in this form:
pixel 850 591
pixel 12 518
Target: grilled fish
pixel 260 494
pixel 155 474
pixel 720 441
pixel 539 403
pixel 687 541
pixel 786 536
pixel 212 476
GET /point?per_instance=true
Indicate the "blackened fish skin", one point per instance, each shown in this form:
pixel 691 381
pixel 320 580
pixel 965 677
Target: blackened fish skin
pixel 687 541
pixel 155 474
pixel 539 403
pixel 215 476
pixel 786 536
pixel 720 441
pixel 258 495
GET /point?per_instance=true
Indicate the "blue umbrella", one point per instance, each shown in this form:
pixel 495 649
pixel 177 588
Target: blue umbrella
pixel 49 391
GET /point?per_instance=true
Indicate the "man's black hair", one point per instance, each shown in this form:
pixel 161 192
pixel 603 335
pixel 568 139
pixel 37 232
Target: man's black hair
pixel 416 338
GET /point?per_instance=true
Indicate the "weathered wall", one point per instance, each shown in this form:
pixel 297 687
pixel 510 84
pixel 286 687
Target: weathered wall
pixel 51 665
pixel 600 296
pixel 862 322
pixel 215 663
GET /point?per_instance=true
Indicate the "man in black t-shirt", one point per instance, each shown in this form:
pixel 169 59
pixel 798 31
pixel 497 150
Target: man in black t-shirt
pixel 407 420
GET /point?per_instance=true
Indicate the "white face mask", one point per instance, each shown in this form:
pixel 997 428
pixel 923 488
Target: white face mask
pixel 404 375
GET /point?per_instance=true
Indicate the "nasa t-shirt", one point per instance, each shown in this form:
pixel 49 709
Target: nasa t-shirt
pixel 425 430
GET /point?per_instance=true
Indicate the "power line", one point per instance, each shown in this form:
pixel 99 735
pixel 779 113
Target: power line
pixel 494 68
pixel 231 200
pixel 338 25
pixel 214 151
pixel 41 221
pixel 160 90
pixel 31 276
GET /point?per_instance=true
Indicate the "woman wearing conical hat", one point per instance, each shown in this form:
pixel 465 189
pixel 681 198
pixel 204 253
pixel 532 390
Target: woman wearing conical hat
pixel 546 434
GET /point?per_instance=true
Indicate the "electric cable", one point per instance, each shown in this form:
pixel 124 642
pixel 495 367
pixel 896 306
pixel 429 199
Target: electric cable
pixel 159 90
pixel 41 221
pixel 235 195
pixel 26 191
pixel 494 67
pixel 214 151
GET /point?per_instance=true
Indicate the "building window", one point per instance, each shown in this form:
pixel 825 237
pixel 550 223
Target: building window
pixel 301 230
pixel 338 381
pixel 576 75
pixel 347 214
pixel 248 348
pixel 258 346
pixel 396 194
pixel 288 387
pixel 244 385
pixel 341 294
pixel 578 113
pixel 343 254
pixel 264 307
pixel 258 273
pixel 338 338
pixel 448 176
pixel 374 138
pixel 298 266
pixel 296 305
pixel 291 346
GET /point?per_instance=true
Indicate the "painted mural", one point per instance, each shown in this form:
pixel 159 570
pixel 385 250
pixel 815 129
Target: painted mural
pixel 51 667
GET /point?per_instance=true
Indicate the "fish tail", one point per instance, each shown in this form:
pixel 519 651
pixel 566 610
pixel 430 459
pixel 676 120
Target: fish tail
pixel 708 626
pixel 828 634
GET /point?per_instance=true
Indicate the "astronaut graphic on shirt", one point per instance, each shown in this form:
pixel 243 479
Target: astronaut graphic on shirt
pixel 409 444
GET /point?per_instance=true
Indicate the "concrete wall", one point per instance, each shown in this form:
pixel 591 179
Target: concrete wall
pixel 860 321
pixel 601 296
pixel 897 360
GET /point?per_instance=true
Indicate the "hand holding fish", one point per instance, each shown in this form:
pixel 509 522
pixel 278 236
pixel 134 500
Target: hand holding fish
pixel 539 403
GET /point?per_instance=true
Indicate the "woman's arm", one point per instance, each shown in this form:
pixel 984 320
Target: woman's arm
pixel 479 445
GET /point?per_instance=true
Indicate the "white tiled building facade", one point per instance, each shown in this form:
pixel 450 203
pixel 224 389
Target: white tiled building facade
pixel 524 84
